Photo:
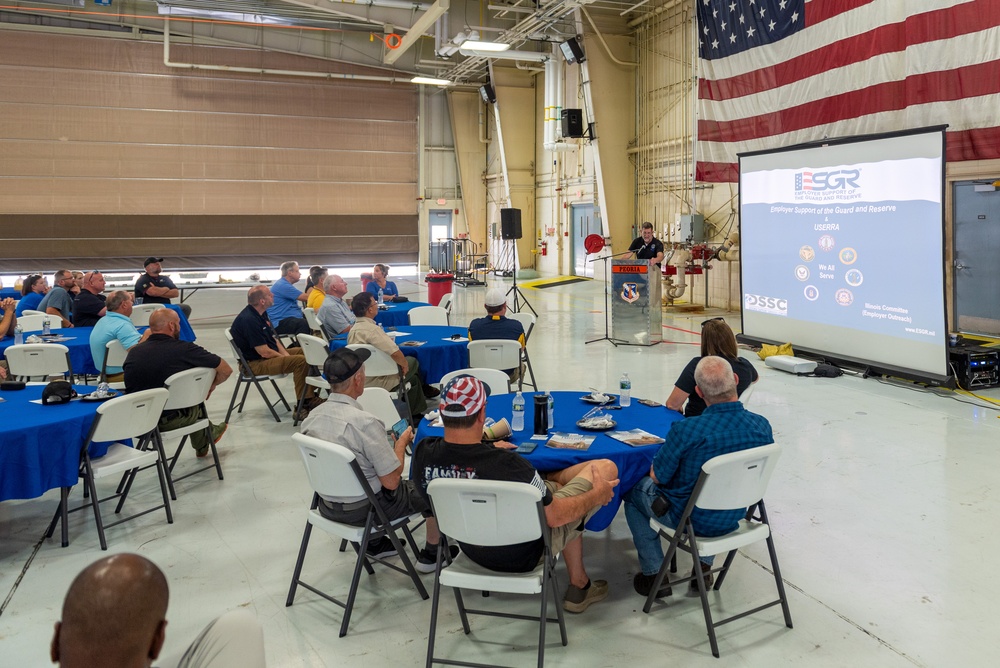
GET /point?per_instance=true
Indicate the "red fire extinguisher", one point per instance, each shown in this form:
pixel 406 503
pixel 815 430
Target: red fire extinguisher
pixel 545 248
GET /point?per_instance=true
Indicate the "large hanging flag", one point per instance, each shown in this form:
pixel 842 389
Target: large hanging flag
pixel 775 73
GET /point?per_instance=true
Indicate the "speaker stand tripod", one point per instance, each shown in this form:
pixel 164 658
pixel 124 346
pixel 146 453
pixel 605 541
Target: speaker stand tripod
pixel 519 297
pixel 607 305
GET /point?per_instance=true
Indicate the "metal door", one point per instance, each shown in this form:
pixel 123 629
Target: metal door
pixel 584 223
pixel 441 255
pixel 976 242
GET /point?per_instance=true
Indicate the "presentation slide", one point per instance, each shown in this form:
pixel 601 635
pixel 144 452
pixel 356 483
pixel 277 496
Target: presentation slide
pixel 842 250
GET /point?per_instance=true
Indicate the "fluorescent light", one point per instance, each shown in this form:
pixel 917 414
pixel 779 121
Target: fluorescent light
pixel 484 46
pixel 430 81
pixel 533 56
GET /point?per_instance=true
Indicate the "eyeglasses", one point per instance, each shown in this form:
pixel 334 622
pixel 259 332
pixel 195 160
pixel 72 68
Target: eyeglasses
pixel 705 322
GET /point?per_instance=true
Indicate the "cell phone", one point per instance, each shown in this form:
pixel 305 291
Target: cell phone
pixel 399 428
pixel 526 448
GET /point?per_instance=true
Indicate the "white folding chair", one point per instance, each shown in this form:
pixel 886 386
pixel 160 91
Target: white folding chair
pixel 141 312
pixel 380 364
pixel 446 301
pixel 735 480
pixel 188 389
pixel 378 401
pixel 131 416
pixel 314 324
pixel 495 379
pixel 747 393
pixel 26 312
pixel 35 321
pixel 114 355
pixel 428 315
pixel 500 354
pixel 247 377
pixel 33 360
pixel 333 470
pixel 316 350
pixel 491 513
pixel 527 320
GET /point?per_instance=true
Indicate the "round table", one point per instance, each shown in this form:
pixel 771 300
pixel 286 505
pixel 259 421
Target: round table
pixel 40 445
pixel 633 462
pixel 10 292
pixel 440 354
pixel 79 344
pixel 397 315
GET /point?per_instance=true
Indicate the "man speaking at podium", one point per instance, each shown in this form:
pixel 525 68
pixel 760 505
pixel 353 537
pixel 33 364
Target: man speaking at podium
pixel 647 247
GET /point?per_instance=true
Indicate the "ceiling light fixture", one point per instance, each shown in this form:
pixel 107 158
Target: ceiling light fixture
pixel 532 56
pixel 477 45
pixel 430 81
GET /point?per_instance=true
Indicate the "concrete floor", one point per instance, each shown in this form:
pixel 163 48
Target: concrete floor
pixel 879 507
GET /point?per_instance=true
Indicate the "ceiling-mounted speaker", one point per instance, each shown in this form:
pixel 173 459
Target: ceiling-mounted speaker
pixel 572 51
pixel 488 94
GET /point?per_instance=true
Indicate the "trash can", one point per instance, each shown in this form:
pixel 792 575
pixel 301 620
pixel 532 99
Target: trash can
pixel 366 278
pixel 438 285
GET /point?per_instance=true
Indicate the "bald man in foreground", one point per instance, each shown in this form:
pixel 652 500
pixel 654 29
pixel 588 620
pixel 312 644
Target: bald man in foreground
pixel 114 615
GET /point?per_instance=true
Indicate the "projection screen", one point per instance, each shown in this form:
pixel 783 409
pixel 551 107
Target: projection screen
pixel 842 250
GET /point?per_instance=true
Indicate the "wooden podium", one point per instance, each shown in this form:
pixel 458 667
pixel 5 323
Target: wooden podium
pixel 636 317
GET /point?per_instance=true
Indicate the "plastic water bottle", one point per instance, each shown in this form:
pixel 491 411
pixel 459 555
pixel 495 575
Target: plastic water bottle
pixel 18 335
pixel 517 419
pixel 552 409
pixel 46 328
pixel 625 391
pixel 381 297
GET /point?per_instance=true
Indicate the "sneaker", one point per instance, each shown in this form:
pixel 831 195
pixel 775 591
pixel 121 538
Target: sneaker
pixel 643 584
pixel 427 558
pixel 218 430
pixel 381 548
pixel 578 600
pixel 430 391
pixel 707 577
pixel 301 414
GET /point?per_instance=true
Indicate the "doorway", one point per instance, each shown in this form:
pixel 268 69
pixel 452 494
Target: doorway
pixel 442 256
pixel 976 276
pixel 584 224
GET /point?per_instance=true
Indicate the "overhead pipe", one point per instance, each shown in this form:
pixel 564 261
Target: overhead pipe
pixel 553 105
pixel 263 70
pixel 600 38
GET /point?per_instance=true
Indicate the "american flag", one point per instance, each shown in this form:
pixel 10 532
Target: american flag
pixel 803 181
pixel 775 73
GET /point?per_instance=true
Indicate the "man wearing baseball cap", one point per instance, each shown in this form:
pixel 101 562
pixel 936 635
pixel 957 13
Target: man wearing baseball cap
pixel 496 325
pixel 154 288
pixel 571 496
pixel 342 420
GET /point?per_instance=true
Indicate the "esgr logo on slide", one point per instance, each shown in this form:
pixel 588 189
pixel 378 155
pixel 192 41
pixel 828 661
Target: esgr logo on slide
pixel 830 185
pixel 762 304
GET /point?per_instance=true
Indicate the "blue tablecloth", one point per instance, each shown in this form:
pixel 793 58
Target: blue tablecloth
pixel 437 356
pixel 79 345
pixel 633 462
pixel 40 445
pixel 187 334
pixel 397 315
pixel 10 292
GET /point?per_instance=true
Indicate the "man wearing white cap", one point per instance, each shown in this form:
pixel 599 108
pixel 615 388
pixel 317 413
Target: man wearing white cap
pixel 571 496
pixel 496 325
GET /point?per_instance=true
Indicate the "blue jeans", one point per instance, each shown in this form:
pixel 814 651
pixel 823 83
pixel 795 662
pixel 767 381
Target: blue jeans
pixel 638 512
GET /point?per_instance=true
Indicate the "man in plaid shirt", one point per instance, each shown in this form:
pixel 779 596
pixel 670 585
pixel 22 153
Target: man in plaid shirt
pixel 724 427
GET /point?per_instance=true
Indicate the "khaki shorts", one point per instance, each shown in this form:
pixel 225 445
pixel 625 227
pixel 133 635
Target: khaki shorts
pixel 559 537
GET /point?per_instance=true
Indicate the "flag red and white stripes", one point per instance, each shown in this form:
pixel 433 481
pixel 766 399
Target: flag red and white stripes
pixel 852 67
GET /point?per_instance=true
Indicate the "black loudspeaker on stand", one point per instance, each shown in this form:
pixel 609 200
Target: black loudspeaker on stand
pixel 510 230
pixel 510 223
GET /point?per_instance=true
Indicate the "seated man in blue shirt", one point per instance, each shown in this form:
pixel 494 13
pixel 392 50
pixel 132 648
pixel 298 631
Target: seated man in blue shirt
pixel 496 325
pixel 116 324
pixel 59 301
pixel 724 427
pixel 286 313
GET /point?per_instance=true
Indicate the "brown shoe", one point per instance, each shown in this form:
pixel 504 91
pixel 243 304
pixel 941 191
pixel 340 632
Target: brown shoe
pixel 707 577
pixel 578 600
pixel 643 584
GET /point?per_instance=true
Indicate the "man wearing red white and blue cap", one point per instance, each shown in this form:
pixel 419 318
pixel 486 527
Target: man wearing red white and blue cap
pixel 570 496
